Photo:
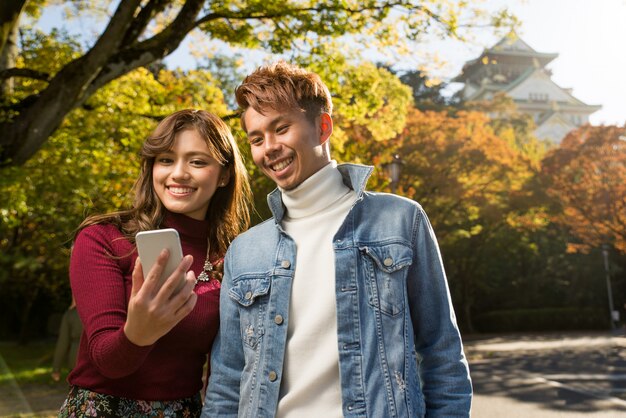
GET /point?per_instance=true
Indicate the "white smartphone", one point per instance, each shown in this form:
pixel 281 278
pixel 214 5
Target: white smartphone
pixel 149 246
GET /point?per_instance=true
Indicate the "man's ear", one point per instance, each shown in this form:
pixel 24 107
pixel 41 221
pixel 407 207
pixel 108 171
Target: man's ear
pixel 326 127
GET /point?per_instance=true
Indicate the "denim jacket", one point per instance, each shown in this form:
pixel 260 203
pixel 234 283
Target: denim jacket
pixel 400 352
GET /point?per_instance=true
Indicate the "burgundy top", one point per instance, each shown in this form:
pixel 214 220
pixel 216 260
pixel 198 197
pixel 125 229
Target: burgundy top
pixel 108 363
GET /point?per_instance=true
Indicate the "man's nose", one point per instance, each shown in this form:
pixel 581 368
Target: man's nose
pixel 271 145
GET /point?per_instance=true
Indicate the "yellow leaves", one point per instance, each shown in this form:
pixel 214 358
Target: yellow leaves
pixel 367 97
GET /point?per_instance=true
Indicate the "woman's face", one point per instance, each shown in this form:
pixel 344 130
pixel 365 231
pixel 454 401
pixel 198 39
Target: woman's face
pixel 186 177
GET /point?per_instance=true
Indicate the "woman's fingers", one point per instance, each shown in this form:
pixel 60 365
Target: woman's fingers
pixel 187 307
pixel 186 299
pixel 153 309
pixel 176 282
pixel 137 277
pixel 153 278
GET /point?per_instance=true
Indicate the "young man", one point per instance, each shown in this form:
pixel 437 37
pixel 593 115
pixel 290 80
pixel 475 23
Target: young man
pixel 338 306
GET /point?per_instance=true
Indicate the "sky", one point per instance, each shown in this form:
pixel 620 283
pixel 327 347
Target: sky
pixel 588 35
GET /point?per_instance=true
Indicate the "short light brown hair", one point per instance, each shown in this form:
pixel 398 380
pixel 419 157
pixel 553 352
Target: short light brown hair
pixel 280 86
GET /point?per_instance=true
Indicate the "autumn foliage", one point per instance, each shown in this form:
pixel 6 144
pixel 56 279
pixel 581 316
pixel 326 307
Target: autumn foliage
pixel 586 175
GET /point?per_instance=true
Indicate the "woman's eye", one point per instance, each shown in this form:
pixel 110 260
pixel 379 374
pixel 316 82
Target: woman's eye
pixel 164 160
pixel 282 129
pixel 199 163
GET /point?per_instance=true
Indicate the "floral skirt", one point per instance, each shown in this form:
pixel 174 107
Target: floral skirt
pixel 85 403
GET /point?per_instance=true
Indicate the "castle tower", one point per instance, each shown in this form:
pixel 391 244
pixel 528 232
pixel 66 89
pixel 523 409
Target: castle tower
pixel 513 67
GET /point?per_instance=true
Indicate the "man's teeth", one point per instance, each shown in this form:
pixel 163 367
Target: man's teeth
pixel 281 165
pixel 181 190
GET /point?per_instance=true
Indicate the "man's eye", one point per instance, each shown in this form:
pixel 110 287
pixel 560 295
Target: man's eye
pixel 255 140
pixel 282 129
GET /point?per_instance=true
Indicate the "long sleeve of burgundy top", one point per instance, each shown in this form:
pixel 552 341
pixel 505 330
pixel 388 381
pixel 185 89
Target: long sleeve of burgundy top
pixel 101 278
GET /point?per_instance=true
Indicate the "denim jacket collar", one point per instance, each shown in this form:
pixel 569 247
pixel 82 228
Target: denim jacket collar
pixel 355 176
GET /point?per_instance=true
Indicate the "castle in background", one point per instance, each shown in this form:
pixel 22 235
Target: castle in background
pixel 513 67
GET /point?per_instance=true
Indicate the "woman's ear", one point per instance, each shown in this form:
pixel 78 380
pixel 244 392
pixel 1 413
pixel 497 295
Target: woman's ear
pixel 326 127
pixel 224 177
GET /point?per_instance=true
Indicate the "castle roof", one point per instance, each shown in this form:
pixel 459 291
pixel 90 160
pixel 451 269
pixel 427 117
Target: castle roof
pixel 509 50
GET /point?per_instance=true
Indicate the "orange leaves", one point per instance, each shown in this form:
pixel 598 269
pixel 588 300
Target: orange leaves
pixel 465 175
pixel 587 176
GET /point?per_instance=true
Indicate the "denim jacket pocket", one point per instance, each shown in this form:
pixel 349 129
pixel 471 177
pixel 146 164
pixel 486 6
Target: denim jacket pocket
pixel 387 266
pixel 248 292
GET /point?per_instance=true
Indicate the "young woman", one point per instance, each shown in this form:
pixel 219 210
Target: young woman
pixel 143 347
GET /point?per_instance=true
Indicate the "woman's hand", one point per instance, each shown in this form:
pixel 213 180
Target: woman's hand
pixel 154 310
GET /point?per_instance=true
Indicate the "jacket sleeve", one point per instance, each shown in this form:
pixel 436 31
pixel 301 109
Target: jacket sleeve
pixel 443 367
pixel 101 300
pixel 227 357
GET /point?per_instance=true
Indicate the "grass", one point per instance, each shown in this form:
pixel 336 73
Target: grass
pixel 29 363
pixel 26 388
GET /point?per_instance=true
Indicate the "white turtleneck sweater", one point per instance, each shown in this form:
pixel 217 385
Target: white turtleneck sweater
pixel 315 210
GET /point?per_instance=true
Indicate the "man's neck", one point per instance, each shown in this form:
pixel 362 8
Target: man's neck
pixel 316 193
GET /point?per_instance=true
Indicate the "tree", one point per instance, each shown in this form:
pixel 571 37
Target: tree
pixel 427 95
pixel 471 183
pixel 514 127
pixel 88 166
pixel 586 175
pixel 142 32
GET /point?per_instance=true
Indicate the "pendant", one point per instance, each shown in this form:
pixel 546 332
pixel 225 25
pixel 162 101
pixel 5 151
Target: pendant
pixel 204 276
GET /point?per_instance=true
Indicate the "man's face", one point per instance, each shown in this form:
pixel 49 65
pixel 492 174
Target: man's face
pixel 286 145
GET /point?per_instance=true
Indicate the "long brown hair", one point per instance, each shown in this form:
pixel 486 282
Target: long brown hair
pixel 229 209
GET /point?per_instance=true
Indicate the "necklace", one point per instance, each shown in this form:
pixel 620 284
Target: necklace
pixel 206 270
pixel 211 270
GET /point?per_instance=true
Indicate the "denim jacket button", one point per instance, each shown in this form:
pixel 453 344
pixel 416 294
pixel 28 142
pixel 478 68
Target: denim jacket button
pixel 285 264
pixel 388 261
pixel 248 295
pixel 272 376
pixel 278 319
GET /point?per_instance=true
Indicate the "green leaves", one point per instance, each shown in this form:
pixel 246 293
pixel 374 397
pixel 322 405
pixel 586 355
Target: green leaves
pixel 88 166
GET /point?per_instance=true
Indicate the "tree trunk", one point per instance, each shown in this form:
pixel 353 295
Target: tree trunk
pixel 29 300
pixel 78 80
pixel 467 317
pixel 467 302
pixel 7 60
pixel 9 23
pixel 10 11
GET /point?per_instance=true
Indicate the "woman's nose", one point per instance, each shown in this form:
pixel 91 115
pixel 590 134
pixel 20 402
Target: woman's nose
pixel 180 171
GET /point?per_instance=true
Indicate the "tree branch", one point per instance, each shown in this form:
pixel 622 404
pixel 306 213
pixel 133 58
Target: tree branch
pixel 24 72
pixel 252 14
pixel 148 51
pixel 141 22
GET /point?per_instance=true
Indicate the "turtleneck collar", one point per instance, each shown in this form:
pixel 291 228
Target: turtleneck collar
pixel 316 193
pixel 186 226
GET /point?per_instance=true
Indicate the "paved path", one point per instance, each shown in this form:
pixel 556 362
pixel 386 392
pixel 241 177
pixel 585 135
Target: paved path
pixel 550 375
pixel 515 376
